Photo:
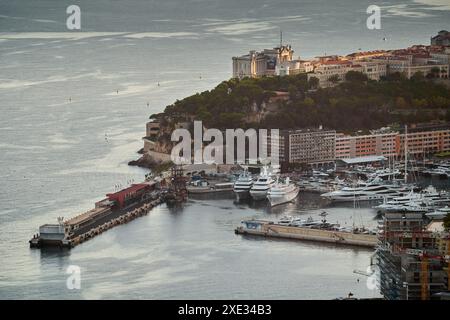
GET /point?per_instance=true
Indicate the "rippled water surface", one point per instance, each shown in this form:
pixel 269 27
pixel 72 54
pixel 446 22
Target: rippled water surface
pixel 73 110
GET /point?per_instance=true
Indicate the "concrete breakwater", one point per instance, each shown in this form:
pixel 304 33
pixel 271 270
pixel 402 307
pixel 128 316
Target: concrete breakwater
pixel 118 208
pixel 138 212
pixel 270 229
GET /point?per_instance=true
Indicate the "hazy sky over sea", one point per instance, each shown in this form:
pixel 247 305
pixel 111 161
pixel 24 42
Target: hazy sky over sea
pixel 306 24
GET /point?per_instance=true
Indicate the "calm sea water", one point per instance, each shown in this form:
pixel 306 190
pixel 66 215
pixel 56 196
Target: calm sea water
pixel 66 135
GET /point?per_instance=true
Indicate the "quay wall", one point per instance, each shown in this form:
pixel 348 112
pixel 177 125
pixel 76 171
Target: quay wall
pixel 125 218
pixel 271 230
pixel 72 239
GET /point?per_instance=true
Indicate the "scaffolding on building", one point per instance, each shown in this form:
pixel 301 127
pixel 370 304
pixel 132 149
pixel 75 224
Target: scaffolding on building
pixel 408 256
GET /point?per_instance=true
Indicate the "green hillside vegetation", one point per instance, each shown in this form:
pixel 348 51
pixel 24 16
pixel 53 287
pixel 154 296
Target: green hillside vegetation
pixel 354 104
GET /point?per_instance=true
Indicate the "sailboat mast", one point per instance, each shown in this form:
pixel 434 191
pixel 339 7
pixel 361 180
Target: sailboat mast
pixel 406 153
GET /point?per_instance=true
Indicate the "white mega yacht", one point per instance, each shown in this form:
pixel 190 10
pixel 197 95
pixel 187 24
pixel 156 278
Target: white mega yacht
pixel 243 185
pixel 282 192
pixel 374 190
pixel 262 186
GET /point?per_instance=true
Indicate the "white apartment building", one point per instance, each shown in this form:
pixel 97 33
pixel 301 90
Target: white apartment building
pixel 410 64
pixel 326 70
pixel 374 70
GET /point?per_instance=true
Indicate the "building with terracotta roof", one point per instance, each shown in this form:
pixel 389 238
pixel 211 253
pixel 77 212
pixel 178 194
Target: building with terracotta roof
pixel 441 39
pixel 421 141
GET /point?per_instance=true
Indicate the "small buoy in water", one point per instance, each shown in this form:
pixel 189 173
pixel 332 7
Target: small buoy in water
pixel 148 104
pixel 158 84
pixel 117 91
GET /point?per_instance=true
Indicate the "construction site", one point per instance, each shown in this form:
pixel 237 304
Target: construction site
pixel 413 259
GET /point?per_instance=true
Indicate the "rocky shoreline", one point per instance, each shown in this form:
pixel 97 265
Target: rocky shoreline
pixel 149 162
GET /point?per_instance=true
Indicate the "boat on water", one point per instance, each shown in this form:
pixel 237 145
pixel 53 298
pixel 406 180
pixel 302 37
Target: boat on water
pixel 438 214
pixel 307 223
pixel 440 171
pixel 206 187
pixel 423 201
pixel 376 189
pixel 243 185
pixel 293 221
pixel 262 186
pixel 282 192
pixel 411 206
pixel 320 231
pixel 285 220
pixel 319 184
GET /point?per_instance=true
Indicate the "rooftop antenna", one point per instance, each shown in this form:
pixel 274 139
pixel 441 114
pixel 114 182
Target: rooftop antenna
pixel 281 38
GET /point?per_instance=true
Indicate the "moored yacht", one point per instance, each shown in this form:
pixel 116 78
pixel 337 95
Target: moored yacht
pixel 282 192
pixel 376 189
pixel 422 201
pixel 262 186
pixel 439 214
pixel 243 185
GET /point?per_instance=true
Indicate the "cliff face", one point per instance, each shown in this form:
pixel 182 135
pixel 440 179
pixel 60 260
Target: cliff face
pixel 163 146
pixel 293 102
pixel 160 140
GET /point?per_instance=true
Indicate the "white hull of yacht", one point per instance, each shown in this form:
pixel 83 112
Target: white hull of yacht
pixel 347 198
pixel 277 199
pixel 259 195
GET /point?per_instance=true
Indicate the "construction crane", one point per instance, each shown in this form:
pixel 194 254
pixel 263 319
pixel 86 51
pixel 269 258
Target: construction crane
pixel 424 291
pixel 424 270
pixel 447 258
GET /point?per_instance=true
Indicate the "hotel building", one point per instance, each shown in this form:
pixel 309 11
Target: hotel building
pixel 384 144
pixel 306 146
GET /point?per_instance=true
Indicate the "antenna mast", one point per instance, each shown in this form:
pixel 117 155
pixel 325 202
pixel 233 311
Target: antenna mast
pixel 406 153
pixel 281 38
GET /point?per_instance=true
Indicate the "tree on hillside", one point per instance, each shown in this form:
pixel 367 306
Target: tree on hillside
pixel 447 222
pixel 396 76
pixel 313 82
pixel 400 103
pixel 435 72
pixel 419 103
pixel 293 92
pixel 355 76
pixel 418 76
pixel 308 102
pixel 334 79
